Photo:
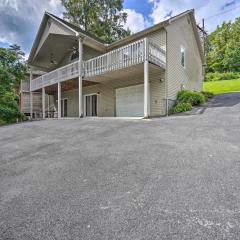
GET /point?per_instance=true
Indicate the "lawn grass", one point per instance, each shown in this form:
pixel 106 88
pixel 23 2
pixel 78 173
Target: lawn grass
pixel 222 86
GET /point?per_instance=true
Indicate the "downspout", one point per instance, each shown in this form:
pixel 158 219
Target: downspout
pixel 166 73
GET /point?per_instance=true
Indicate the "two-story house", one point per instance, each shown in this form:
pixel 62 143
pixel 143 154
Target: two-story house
pixel 138 76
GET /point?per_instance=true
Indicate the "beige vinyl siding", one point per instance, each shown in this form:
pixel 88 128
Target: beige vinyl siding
pixel 58 28
pixel 88 53
pixel 107 95
pixel 159 38
pixel 72 102
pixel 157 88
pixel 157 94
pixel 180 33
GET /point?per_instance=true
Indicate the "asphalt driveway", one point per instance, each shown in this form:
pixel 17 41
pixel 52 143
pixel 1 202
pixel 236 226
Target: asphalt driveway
pixel 168 178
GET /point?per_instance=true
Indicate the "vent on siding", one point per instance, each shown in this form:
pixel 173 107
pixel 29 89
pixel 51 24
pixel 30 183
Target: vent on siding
pixel 188 20
pixel 49 24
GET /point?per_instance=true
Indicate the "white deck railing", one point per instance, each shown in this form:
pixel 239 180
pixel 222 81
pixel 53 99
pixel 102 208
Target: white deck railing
pixel 120 58
pixel 61 74
pixel 157 55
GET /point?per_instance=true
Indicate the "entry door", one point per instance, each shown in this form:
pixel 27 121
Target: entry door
pixel 64 107
pixel 91 105
pixel 129 101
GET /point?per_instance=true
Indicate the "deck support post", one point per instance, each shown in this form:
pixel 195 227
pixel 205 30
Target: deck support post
pixel 43 102
pixel 31 94
pixel 146 81
pixel 48 106
pixel 59 100
pixel 80 87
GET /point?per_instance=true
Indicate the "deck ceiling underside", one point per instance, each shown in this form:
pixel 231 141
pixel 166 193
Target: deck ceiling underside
pixel 55 47
pixel 127 73
pixel 67 86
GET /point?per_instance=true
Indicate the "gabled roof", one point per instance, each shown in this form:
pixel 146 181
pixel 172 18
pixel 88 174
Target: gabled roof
pixel 76 28
pixel 162 25
pixel 78 31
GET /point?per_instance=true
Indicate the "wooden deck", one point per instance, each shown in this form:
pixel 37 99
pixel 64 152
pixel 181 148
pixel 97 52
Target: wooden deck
pixel 121 58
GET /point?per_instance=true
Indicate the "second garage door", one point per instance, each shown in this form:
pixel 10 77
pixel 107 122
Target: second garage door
pixel 129 101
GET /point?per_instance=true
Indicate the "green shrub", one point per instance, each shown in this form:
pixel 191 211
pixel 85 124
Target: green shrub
pixel 187 96
pixel 181 107
pixel 221 76
pixel 9 113
pixel 2 122
pixel 207 95
pixel 9 109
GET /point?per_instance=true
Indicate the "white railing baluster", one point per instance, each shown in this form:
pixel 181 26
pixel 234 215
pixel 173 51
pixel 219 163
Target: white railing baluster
pixel 123 57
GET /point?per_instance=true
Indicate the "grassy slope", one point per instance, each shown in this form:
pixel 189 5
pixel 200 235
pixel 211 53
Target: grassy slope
pixel 222 86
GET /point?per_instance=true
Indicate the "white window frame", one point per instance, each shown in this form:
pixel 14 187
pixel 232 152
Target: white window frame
pixel 183 50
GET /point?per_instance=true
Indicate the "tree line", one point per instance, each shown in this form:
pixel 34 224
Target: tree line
pixel 12 71
pixel 103 18
pixel 223 48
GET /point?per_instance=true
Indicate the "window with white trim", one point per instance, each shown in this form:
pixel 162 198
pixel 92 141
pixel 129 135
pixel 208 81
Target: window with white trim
pixel 183 56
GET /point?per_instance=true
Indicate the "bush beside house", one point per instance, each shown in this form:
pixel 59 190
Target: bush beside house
pixel 186 99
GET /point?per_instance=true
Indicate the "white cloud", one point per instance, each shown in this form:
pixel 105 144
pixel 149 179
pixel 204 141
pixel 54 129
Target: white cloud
pixel 135 21
pixel 214 7
pixel 20 19
pixel 203 9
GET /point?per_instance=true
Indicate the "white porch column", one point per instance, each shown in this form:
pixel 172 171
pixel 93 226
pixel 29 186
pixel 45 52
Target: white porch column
pixel 43 102
pixel 59 100
pixel 48 106
pixel 80 88
pixel 146 81
pixel 31 94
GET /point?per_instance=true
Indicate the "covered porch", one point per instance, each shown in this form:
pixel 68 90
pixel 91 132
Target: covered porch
pixel 117 94
pixel 95 83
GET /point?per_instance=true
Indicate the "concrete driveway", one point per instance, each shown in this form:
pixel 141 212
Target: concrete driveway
pixel 168 178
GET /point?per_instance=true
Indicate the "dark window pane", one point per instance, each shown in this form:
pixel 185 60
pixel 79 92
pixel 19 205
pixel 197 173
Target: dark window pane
pixel 65 107
pixel 94 105
pixel 88 106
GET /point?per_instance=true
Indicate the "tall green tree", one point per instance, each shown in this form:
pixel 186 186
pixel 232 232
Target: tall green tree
pixel 17 50
pixel 223 48
pixel 12 71
pixel 103 18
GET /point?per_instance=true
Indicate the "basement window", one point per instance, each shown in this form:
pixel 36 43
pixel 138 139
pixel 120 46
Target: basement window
pixel 183 56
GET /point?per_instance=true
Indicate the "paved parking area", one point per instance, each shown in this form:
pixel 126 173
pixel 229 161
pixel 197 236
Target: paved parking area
pixel 168 178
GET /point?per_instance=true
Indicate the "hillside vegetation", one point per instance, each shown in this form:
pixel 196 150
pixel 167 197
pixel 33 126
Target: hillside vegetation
pixel 223 58
pixel 222 86
pixel 12 71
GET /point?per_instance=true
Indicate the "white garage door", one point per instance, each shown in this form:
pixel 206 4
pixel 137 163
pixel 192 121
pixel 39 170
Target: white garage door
pixel 129 101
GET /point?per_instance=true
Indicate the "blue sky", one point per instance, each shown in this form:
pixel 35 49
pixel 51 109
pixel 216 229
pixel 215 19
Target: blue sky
pixel 20 19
